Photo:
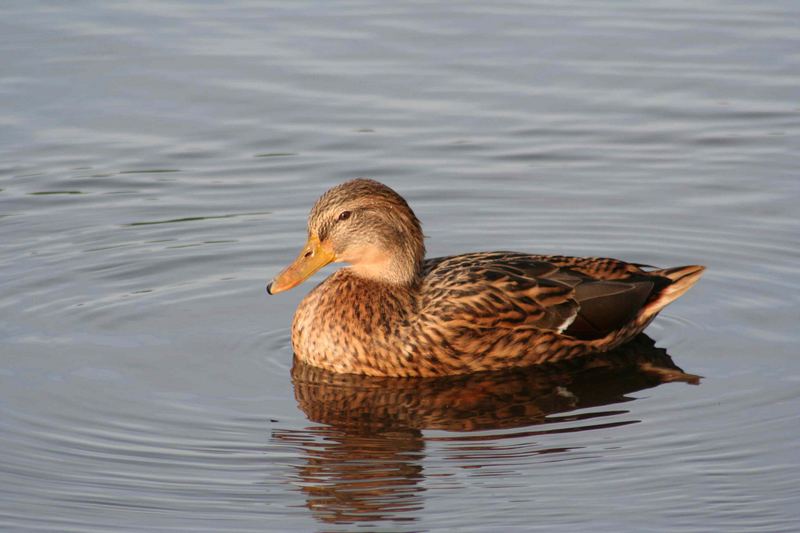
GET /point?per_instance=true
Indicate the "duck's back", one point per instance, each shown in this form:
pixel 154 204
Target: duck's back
pixel 497 309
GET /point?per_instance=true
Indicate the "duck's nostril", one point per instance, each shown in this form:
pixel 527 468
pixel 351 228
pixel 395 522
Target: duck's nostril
pixel 309 253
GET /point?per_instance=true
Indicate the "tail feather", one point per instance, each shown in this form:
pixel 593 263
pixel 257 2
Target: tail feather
pixel 682 280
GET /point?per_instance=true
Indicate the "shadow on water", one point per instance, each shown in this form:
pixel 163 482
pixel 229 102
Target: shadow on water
pixel 365 462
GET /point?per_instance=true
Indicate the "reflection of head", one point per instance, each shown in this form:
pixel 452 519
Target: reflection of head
pixel 352 476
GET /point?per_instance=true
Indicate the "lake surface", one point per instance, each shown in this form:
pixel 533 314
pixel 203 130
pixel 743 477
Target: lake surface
pixel 157 163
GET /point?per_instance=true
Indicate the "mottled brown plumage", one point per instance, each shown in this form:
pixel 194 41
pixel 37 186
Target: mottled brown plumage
pixel 393 313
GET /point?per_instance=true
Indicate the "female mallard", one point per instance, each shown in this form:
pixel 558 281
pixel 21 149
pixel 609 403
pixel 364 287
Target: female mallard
pixel 395 313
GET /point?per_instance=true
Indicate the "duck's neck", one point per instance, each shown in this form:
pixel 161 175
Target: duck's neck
pixel 400 266
pixel 391 270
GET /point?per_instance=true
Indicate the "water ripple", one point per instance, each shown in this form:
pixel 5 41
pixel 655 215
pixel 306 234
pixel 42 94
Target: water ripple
pixel 157 163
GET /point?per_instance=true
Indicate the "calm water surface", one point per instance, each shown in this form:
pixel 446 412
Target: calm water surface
pixel 157 162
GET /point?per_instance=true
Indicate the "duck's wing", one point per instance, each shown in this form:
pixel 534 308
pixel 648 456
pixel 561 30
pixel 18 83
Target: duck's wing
pixel 498 291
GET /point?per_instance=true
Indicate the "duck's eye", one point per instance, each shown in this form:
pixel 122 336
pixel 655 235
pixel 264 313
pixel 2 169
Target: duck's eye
pixel 344 215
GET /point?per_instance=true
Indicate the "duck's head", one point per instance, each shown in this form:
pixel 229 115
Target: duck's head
pixel 363 223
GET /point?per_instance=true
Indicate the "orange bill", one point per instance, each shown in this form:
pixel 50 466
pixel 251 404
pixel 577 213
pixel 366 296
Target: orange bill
pixel 314 256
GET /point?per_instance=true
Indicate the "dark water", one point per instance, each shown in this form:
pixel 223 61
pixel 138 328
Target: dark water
pixel 157 162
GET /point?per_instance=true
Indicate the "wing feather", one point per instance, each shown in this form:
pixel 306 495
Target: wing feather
pixel 499 290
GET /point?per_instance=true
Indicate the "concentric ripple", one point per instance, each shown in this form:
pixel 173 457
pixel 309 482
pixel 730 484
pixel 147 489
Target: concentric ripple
pixel 157 163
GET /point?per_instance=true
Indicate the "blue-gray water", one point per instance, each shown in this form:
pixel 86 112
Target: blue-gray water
pixel 157 162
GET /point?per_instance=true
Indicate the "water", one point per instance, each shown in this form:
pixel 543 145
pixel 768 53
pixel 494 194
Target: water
pixel 157 162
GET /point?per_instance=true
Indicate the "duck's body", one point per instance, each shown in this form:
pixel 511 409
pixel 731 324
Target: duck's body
pixel 392 313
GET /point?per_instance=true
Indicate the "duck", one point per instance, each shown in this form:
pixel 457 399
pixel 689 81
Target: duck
pixel 392 312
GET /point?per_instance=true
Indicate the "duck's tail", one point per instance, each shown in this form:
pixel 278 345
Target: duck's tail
pixel 682 280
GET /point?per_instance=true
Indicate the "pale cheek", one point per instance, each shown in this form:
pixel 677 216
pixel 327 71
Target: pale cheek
pixel 362 255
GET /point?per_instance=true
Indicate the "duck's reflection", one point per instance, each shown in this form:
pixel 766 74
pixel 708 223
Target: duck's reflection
pixel 352 476
pixel 365 463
